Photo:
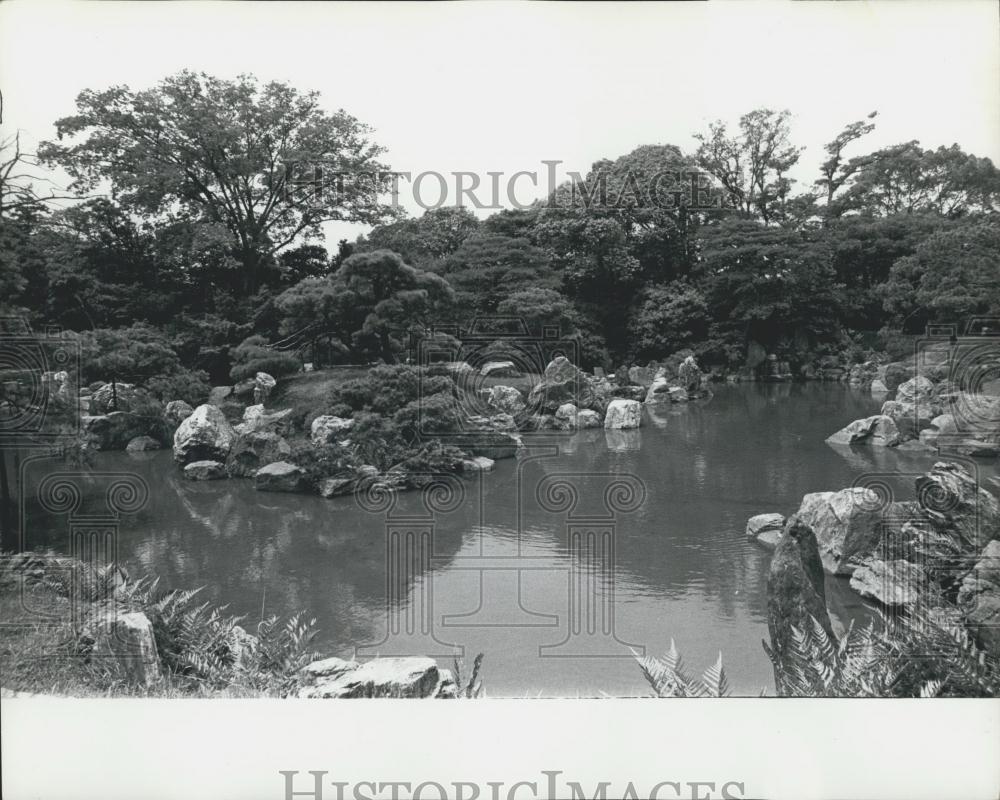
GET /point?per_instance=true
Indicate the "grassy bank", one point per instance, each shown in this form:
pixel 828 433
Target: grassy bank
pixel 202 651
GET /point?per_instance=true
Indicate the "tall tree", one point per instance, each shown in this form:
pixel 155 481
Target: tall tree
pixel 752 165
pixel 236 152
pixel 835 170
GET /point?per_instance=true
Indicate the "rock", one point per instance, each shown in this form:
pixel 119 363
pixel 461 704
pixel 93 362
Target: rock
pixel 916 390
pixel 600 392
pixel 979 599
pixel 562 383
pixel 493 437
pixel 689 375
pixel 677 394
pixel 567 413
pixel 547 422
pixel 263 384
pixel 500 369
pixel 254 450
pixel 760 523
pixel 892 583
pixel 113 431
pixel 119 398
pixel 846 524
pixel 328 668
pixel 910 418
pixel 641 376
pixel 795 591
pixel 878 430
pixel 928 437
pixel 879 388
pixel 636 393
pixel 279 476
pixel 506 399
pixel 205 435
pixel 956 505
pixel 175 412
pixel 623 415
pixel 328 428
pixel 205 471
pixel 256 419
pixel 588 418
pixel 659 390
pixel 769 539
pixel 244 389
pixel 381 677
pixel 142 443
pixel 337 486
pixel 477 464
pixel 447 688
pixel 128 639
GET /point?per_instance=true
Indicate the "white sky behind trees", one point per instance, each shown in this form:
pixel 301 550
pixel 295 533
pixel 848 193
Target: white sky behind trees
pixel 501 86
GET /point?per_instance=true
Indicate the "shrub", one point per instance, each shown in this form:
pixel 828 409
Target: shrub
pixel 191 386
pixel 321 461
pixel 253 355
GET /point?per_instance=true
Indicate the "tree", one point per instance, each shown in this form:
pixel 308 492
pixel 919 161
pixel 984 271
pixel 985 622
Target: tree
pixel 752 166
pixel 835 171
pixel 238 153
pixel 906 179
pixel 769 284
pixel 670 318
pixel 950 277
pixel 485 269
pixel 439 232
pixel 375 303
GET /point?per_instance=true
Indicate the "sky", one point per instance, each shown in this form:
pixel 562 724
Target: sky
pixel 504 86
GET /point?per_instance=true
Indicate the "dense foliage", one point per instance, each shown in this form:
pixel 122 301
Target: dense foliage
pixel 203 251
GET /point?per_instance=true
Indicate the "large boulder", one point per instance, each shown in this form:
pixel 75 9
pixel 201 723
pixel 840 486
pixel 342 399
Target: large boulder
pixel 878 430
pixel 979 598
pixel 957 506
pixel 506 399
pixel 380 677
pixel 847 526
pixel 127 639
pixel 254 450
pixel 255 418
pixel 228 402
pixel 493 437
pixel 910 418
pixel 623 415
pixel 205 435
pixel 113 397
pixel 795 591
pixel 328 428
pixel 588 418
pixel 205 471
pixel 113 431
pixel 280 477
pixel 916 390
pixel 892 583
pixel 562 383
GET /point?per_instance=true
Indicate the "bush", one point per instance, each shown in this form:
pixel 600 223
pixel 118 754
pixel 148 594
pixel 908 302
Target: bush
pixel 253 356
pixel 191 386
pixel 433 458
pixel 321 461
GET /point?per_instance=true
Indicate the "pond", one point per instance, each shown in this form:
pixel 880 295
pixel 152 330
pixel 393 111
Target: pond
pixel 556 565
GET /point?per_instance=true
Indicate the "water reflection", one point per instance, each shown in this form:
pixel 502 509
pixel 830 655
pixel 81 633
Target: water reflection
pixel 501 572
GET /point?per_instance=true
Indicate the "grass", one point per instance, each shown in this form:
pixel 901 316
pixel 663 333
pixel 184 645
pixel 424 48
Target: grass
pixel 44 650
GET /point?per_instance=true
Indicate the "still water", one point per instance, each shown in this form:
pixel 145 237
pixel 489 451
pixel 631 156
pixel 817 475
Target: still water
pixel 556 565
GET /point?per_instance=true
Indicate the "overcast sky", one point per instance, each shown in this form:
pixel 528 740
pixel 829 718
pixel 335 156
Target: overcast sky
pixel 502 86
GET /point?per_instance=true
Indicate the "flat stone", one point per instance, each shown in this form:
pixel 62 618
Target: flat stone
pixel 205 471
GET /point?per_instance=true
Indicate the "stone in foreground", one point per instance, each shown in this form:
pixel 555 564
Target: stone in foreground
pixel 279 477
pixel 847 526
pixel 477 464
pixel 205 471
pixel 142 443
pixel 328 428
pixel 128 639
pixel 623 415
pixel 381 677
